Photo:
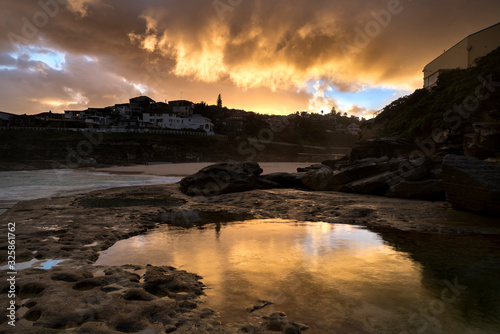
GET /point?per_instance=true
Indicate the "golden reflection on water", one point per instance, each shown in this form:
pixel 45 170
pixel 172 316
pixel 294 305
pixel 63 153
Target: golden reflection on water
pixel 332 277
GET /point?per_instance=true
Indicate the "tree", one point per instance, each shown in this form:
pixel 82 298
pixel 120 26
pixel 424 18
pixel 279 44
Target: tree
pixel 219 101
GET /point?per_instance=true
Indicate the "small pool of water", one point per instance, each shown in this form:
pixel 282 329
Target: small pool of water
pixel 334 278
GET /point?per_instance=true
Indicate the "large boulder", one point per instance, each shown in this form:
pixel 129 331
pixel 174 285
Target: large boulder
pixel 318 179
pixel 225 178
pixel 472 184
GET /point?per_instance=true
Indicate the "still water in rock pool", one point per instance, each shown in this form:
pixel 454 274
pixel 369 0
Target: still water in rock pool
pixel 334 278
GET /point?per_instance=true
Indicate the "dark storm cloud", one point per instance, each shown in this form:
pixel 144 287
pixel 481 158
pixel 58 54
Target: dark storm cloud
pixel 113 49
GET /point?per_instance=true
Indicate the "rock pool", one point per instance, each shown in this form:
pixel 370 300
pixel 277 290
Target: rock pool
pixel 334 278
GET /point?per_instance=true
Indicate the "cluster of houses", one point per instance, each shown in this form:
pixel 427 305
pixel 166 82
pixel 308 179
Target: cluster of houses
pixel 144 113
pixel 141 113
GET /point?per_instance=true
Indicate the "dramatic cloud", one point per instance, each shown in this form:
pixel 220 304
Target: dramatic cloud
pixel 269 56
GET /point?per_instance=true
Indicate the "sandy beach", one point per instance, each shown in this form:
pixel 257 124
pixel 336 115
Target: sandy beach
pixel 186 169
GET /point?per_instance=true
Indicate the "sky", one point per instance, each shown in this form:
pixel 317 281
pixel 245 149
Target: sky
pixel 267 56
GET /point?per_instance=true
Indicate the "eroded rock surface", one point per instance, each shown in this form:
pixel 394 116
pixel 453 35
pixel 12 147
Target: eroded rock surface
pixel 472 184
pixel 77 297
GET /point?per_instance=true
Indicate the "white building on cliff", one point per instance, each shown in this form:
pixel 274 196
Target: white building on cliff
pixel 167 120
pixel 463 54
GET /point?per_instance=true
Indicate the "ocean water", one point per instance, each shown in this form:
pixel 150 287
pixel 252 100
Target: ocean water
pixel 28 185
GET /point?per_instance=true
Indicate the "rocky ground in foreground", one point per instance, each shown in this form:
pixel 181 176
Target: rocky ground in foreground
pixel 77 297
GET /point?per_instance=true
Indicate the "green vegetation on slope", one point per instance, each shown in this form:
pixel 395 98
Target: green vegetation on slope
pixel 419 113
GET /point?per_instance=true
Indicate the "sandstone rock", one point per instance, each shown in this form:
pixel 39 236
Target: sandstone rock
pixel 348 172
pixel 437 173
pixel 472 184
pixel 360 169
pixel 285 180
pixel 425 190
pixel 415 170
pixel 376 185
pixel 368 176
pixel 333 163
pixel 318 179
pixel 312 167
pixel 278 322
pixel 484 142
pixel 327 179
pixel 225 178
pixel 163 282
pixel 138 294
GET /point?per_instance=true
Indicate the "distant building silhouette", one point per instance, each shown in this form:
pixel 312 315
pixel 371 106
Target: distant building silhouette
pixel 463 54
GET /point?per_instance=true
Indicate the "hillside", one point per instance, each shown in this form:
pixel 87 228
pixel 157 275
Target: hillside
pixel 452 113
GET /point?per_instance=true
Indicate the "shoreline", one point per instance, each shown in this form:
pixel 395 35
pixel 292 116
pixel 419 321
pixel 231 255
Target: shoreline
pixel 169 169
pixel 190 168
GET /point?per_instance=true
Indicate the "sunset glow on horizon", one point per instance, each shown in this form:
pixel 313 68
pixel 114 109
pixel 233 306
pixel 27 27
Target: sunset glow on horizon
pixel 271 57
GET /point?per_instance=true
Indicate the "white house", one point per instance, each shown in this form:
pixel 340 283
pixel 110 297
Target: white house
pixel 198 122
pixel 160 118
pixel 172 121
